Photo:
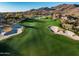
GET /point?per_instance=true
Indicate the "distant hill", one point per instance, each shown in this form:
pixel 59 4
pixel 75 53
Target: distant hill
pixel 63 8
pixel 71 9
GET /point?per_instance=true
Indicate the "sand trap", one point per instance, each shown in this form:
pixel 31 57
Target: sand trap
pixel 67 33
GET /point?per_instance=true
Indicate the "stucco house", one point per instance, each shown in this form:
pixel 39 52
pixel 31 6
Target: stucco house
pixel 56 14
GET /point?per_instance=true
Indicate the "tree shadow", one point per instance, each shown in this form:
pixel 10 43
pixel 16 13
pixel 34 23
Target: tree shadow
pixel 31 20
pixel 6 50
pixel 26 26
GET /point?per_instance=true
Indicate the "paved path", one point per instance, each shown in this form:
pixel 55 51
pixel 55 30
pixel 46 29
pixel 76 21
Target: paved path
pixel 67 33
pixel 2 37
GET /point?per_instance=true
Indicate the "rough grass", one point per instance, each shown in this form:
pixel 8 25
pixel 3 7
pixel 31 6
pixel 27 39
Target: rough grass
pixel 39 40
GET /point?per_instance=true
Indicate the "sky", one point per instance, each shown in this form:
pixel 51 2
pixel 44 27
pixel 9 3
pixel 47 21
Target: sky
pixel 24 6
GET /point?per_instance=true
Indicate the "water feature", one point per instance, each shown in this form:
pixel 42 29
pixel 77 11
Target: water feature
pixel 14 29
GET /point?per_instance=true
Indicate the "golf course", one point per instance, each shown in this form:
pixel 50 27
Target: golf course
pixel 38 40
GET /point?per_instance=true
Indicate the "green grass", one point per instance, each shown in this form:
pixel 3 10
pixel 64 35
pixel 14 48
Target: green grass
pixel 38 39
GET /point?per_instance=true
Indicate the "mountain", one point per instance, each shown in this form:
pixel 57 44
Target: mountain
pixel 69 9
pixel 64 7
pixel 73 12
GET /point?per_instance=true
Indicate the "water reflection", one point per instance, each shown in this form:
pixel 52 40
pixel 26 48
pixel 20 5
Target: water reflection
pixel 14 29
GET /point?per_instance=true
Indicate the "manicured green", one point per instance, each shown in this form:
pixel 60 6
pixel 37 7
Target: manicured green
pixel 38 39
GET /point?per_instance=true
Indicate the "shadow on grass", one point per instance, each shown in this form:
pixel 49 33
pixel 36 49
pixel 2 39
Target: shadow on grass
pixel 6 50
pixel 26 26
pixel 31 20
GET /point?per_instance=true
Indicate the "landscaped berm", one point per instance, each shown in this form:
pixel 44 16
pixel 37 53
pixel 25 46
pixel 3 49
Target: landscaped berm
pixel 38 39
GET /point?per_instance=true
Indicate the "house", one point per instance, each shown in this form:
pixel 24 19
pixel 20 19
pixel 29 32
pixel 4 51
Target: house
pixel 70 19
pixel 64 17
pixel 56 14
pixel 70 22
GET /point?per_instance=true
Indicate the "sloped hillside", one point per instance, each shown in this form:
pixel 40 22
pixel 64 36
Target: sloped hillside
pixel 69 9
pixel 74 12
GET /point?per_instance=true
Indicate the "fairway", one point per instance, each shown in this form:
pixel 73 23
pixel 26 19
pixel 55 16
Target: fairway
pixel 38 39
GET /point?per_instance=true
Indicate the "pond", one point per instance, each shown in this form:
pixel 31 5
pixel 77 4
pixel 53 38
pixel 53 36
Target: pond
pixel 14 29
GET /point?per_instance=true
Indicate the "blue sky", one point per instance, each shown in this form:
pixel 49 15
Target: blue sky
pixel 23 6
